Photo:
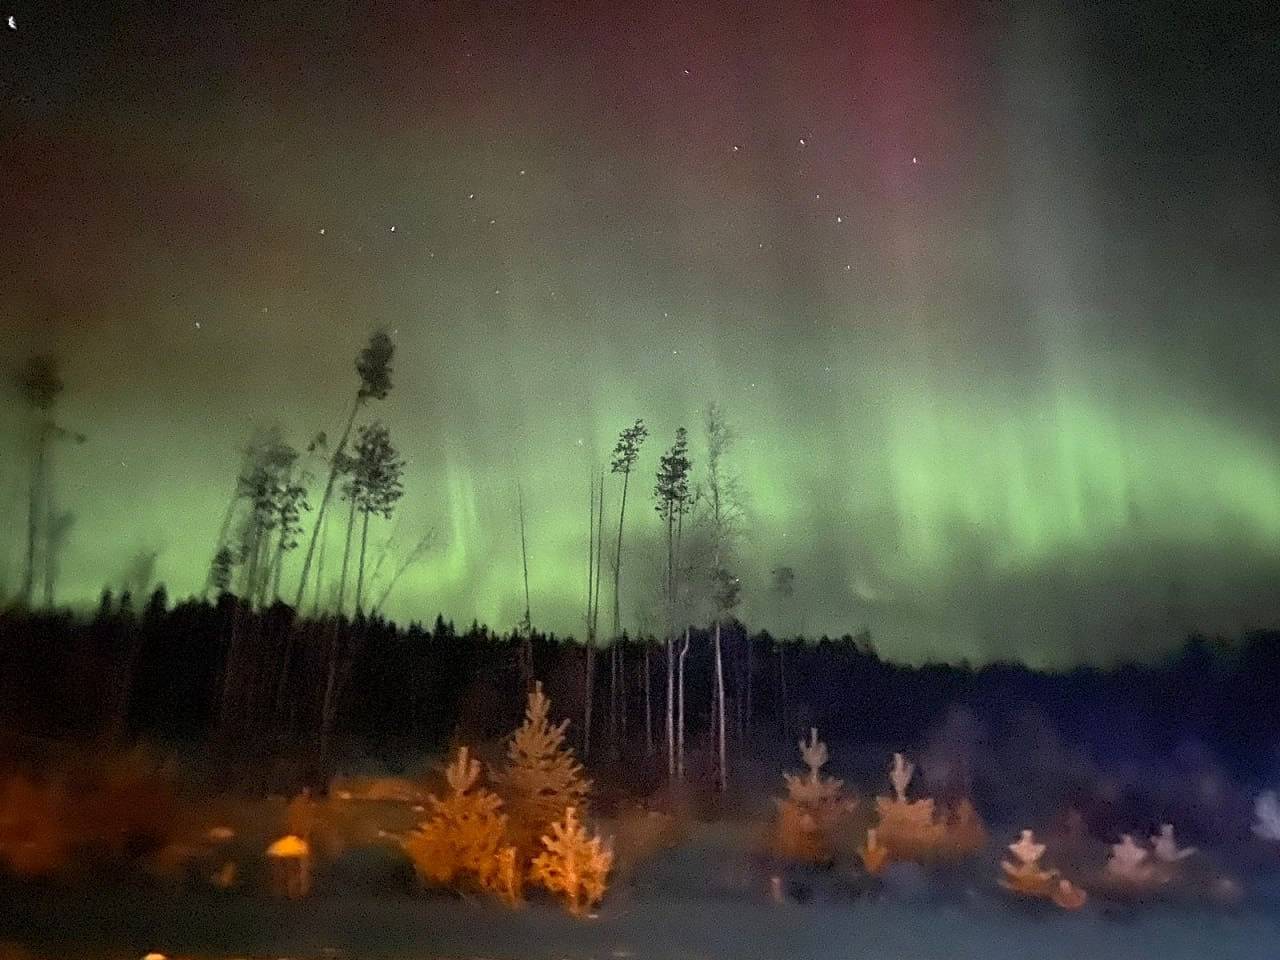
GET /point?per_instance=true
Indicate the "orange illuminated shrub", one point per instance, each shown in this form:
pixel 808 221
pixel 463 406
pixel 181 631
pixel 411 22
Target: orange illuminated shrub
pixel 463 844
pixel 573 864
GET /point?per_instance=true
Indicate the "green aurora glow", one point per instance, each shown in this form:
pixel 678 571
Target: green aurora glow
pixel 981 408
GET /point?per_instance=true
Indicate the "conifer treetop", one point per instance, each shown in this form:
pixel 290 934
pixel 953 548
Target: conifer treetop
pixel 900 775
pixel 542 777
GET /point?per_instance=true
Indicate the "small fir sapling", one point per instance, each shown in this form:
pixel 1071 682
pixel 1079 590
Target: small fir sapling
pixel 541 777
pixel 573 864
pixel 463 844
pixel 1165 846
pixel 907 827
pixel 812 811
pixel 1025 877
pixel 1129 864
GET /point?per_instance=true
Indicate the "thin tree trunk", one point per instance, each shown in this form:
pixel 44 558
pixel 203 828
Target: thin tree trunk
pixel 279 563
pixel 595 613
pixel 346 558
pixel 782 687
pixel 739 664
pixel 526 627
pixel 329 706
pixel 33 516
pixel 671 720
pixel 120 725
pixel 423 546
pixel 248 570
pixel 684 650
pixel 231 670
pixel 324 540
pixel 51 536
pixel 648 700
pixel 589 691
pixel 622 687
pixel 324 501
pixel 671 732
pixel 364 539
pixel 617 560
pixel 723 771
pixel 263 568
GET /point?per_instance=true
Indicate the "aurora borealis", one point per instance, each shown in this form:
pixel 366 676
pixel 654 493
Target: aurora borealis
pixel 989 297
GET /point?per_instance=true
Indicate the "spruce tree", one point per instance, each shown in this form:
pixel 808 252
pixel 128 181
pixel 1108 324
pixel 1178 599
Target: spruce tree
pixel 542 778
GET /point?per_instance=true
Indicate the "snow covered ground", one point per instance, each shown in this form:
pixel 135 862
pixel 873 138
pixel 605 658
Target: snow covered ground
pixel 701 900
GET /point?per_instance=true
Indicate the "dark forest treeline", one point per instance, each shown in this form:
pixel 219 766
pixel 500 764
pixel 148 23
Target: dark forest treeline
pixel 255 682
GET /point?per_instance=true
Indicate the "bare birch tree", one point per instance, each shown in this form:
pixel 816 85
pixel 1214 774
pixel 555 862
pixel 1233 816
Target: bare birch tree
pixel 373 366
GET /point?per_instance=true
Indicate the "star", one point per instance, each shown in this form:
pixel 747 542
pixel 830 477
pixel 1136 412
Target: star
pixel 915 159
pixel 839 219
pixel 471 196
pixel 197 324
pixel 735 148
pixel 322 231
pixel 13 22
pixel 804 142
pixel 393 229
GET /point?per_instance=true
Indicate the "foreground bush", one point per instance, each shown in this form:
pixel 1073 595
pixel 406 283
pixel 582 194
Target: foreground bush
pixel 916 830
pixel 573 864
pixel 814 810
pixel 541 778
pixel 464 845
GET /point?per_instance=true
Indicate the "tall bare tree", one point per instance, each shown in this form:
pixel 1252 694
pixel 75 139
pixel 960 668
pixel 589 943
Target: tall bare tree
pixel 625 454
pixel 424 545
pixel 377 474
pixel 346 468
pixel 595 543
pixel 40 384
pixel 373 366
pixel 59 524
pixel 270 524
pixel 783 585
pixel 526 622
pixel 724 506
pixel 671 492
pixel 225 526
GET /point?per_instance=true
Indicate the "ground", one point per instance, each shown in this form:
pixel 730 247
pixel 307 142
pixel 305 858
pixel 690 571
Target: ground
pixel 698 901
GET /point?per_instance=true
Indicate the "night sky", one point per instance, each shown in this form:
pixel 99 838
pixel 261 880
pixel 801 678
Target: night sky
pixel 989 293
